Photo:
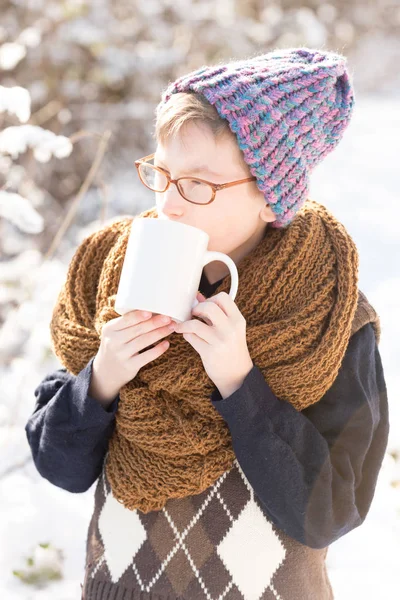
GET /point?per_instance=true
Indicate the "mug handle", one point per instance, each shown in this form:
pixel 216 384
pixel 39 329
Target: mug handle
pixel 212 255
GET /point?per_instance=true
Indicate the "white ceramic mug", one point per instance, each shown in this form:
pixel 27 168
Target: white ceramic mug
pixel 162 268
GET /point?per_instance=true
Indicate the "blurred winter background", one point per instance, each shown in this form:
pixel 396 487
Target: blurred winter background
pixel 79 82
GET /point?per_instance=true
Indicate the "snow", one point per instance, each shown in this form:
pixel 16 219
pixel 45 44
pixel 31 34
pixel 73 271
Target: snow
pixel 15 100
pixel 10 55
pixel 17 138
pixel 19 211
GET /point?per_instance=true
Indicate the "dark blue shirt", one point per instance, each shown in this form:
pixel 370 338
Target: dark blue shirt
pixel 314 471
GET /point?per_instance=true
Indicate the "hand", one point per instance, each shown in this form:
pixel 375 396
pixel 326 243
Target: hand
pixel 221 342
pixel 119 357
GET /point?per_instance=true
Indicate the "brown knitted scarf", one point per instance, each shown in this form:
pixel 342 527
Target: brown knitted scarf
pixel 298 293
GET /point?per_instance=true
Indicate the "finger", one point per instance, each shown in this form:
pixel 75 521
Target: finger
pixel 156 323
pixel 203 331
pixel 140 342
pixel 196 342
pixel 140 360
pixel 130 318
pixel 211 312
pixel 226 304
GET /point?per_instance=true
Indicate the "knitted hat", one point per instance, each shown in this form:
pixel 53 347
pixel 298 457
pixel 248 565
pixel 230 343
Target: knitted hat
pixel 288 109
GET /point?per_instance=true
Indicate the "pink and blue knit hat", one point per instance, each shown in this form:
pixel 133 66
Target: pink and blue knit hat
pixel 288 109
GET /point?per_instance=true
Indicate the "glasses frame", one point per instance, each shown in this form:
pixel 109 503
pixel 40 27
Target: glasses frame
pixel 215 186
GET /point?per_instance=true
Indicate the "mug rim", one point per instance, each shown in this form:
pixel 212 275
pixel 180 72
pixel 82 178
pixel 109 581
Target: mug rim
pixel 175 223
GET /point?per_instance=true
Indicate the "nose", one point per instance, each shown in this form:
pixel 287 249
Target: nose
pixel 171 202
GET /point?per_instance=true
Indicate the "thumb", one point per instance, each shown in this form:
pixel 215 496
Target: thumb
pixel 200 297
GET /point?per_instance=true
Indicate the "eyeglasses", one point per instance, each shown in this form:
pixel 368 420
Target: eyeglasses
pixel 192 189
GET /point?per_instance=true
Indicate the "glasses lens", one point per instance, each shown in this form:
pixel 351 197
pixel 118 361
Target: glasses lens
pixel 154 179
pixel 195 190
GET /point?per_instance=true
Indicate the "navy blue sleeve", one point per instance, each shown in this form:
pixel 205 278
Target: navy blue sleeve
pixel 69 431
pixel 315 471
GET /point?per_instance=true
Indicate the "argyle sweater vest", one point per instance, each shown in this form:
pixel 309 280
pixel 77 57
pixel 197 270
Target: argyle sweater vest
pixel 218 545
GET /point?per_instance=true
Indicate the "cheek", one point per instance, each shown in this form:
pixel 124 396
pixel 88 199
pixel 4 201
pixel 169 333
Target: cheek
pixel 228 222
pixel 228 237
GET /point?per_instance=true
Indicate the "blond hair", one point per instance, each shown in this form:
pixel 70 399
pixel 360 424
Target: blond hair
pixel 184 107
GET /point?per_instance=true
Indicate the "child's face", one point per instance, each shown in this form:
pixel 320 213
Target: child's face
pixel 237 218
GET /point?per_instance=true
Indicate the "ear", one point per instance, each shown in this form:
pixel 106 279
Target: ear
pixel 267 214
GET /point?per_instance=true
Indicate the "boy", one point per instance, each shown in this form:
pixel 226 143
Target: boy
pixel 228 461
